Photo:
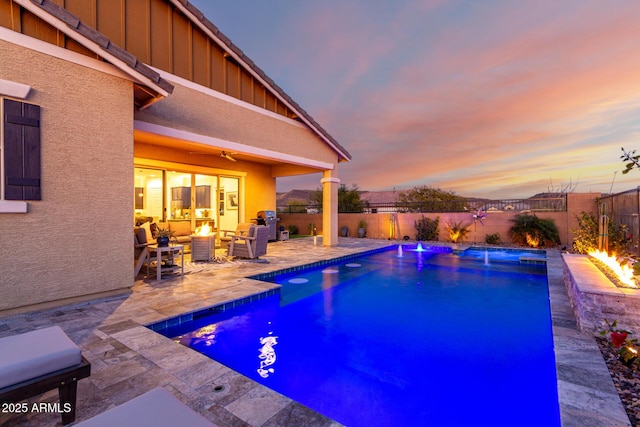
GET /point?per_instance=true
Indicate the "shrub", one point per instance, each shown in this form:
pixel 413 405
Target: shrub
pixel 457 231
pixel 529 230
pixel 493 239
pixel 293 229
pixel 427 228
pixel 626 347
pixel 586 235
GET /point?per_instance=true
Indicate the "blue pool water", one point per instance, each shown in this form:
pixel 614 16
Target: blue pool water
pixel 426 339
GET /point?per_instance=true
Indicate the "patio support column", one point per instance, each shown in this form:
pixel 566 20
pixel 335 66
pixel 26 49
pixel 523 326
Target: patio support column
pixel 330 186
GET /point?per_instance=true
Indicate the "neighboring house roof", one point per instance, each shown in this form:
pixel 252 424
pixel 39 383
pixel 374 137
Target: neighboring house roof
pixel 98 43
pixel 380 196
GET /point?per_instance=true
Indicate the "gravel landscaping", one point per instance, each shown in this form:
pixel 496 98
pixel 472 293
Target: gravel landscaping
pixel 626 380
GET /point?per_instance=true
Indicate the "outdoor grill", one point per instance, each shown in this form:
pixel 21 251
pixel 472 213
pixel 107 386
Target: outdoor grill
pixel 269 219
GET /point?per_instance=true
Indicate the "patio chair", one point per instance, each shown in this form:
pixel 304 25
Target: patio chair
pixel 155 408
pixel 36 362
pixel 241 230
pixel 140 250
pixel 251 246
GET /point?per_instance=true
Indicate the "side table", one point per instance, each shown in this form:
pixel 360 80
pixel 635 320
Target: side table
pixel 165 257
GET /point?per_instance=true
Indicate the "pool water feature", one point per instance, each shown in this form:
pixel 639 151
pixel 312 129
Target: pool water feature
pixel 429 338
pixel 504 254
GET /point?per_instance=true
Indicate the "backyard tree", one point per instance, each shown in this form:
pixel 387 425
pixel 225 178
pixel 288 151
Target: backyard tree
pixel 428 199
pixel 297 206
pixel 348 198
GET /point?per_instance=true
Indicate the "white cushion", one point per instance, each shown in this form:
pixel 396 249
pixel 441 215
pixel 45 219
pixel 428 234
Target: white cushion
pixel 155 408
pixel 147 230
pixel 30 355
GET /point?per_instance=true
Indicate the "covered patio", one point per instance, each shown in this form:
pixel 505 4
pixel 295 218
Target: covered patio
pixel 128 359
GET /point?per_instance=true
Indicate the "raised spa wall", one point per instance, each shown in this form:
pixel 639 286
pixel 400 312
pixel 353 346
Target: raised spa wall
pixel 594 298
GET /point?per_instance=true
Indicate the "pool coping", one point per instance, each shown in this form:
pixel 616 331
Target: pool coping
pixel 586 393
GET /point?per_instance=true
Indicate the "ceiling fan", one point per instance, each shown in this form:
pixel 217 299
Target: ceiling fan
pixel 227 156
pixel 223 154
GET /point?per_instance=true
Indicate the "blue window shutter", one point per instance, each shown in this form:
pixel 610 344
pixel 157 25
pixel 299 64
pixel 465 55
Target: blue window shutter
pixel 21 151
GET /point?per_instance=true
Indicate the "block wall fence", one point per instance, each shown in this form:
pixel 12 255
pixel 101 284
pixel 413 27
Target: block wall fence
pixel 381 225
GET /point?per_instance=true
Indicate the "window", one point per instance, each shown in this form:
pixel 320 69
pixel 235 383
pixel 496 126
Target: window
pixel 169 195
pixel 20 151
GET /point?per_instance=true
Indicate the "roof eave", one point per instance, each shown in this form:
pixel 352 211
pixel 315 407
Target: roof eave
pixel 99 44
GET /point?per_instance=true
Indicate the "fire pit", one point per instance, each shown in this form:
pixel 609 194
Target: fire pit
pixel 201 243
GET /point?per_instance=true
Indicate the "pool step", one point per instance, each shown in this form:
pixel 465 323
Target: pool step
pixel 533 260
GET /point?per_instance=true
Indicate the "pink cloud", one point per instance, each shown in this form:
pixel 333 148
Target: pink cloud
pixel 481 115
pixel 503 96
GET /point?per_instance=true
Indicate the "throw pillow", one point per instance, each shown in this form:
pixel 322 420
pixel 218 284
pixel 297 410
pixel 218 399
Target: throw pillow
pixel 154 230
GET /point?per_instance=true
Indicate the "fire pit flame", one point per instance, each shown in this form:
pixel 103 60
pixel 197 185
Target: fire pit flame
pixel 623 272
pixel 203 230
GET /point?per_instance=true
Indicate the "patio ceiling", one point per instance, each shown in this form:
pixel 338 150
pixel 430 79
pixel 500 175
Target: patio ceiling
pixel 199 146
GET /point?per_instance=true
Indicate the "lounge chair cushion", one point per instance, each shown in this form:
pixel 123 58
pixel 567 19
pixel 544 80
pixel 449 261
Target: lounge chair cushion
pixel 155 408
pixel 140 235
pixel 36 353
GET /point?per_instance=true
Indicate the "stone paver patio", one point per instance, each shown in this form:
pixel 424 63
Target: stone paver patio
pixel 128 359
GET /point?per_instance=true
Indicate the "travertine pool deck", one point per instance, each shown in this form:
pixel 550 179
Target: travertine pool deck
pixel 128 359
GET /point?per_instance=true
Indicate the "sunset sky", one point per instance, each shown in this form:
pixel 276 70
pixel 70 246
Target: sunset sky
pixel 500 99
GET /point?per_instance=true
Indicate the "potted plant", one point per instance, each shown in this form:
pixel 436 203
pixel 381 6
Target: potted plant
pixel 163 235
pixel 362 228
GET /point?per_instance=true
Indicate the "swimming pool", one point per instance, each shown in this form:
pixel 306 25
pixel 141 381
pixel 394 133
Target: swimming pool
pixel 425 338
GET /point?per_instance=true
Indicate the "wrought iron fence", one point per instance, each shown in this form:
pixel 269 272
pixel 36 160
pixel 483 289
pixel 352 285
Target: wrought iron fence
pixel 623 209
pixel 542 204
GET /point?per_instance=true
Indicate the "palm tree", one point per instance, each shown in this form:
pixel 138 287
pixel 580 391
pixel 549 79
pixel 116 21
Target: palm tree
pixel 529 230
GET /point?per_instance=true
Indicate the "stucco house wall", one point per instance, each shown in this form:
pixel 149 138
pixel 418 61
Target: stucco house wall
pixel 206 112
pixel 76 242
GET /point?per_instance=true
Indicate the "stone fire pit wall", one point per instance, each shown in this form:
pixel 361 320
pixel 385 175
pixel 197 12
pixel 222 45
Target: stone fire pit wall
pixel 594 298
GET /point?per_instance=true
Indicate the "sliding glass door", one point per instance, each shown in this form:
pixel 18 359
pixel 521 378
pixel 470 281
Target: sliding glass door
pixel 163 195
